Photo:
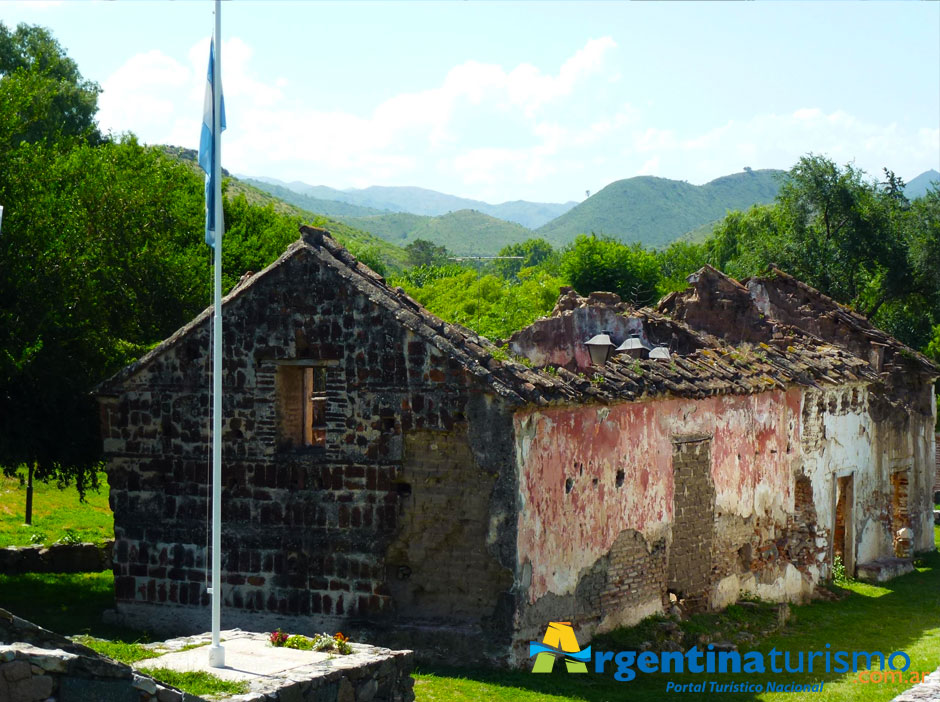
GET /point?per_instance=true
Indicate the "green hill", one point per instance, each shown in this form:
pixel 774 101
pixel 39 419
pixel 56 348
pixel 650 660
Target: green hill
pixel 465 232
pixel 419 201
pixel 919 186
pixel 328 207
pixel 393 256
pixel 655 211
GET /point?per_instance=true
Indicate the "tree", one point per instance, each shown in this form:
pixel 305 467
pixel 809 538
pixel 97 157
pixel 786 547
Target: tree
pixel 859 241
pixel 42 93
pixel 489 305
pixel 678 262
pixel 593 263
pixel 100 260
pixel 426 253
pixel 532 252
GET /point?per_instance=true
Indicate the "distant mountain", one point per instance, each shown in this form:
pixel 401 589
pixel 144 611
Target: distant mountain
pixel 394 257
pixel 465 232
pixel 918 186
pixel 422 201
pixel 328 207
pixel 655 211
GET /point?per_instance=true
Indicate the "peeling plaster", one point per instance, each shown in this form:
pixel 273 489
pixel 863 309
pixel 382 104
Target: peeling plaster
pixel 565 526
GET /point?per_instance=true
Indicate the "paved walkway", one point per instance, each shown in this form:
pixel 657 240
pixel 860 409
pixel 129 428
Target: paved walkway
pixel 927 691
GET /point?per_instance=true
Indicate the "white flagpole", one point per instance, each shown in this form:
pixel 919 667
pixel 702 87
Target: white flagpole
pixel 216 651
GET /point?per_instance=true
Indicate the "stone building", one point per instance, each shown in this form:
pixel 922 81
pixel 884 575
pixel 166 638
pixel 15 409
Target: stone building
pixel 391 475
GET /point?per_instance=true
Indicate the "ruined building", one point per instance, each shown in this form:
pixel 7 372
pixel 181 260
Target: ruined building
pixel 400 478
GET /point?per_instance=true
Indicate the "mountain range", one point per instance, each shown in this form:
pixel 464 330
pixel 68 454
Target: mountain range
pixel 421 201
pixel 645 209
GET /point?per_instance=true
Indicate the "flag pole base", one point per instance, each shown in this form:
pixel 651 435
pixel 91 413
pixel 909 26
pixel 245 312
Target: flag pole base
pixel 217 656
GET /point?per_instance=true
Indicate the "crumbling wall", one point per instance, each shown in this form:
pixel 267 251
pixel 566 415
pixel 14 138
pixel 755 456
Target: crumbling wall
pixel 850 432
pixel 313 536
pixel 593 476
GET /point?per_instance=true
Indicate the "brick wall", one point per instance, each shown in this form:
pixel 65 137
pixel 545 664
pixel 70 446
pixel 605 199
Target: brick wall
pixel 693 528
pixel 319 534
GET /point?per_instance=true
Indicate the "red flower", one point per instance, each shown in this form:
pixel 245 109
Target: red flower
pixel 278 638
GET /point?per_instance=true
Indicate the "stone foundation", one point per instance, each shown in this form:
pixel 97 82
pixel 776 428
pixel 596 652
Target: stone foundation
pixel 37 665
pixel 58 558
pixel 368 674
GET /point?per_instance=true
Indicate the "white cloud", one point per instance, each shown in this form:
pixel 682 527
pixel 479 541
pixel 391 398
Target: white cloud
pixel 142 95
pixel 485 130
pixel 651 167
pixel 777 141
pixel 271 131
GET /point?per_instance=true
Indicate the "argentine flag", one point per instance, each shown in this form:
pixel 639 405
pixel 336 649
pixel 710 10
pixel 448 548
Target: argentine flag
pixel 207 156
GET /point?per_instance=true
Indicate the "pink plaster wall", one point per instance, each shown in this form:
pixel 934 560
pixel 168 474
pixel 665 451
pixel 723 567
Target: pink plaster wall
pixel 755 442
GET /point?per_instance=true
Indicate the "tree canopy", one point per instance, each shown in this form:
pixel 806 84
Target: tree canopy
pixel 855 239
pixel 43 96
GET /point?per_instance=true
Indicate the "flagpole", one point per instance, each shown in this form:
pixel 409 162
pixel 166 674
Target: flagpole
pixel 216 651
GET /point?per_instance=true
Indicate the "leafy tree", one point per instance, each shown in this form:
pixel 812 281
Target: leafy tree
pixel 859 241
pixel 829 227
pixel 592 263
pixel 97 266
pixel 678 262
pixel 533 252
pixel 487 304
pixel 42 93
pixel 426 253
pixel 419 276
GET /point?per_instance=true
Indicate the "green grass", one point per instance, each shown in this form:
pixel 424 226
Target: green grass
pixel 123 651
pixel 902 615
pixel 67 603
pixel 198 683
pixel 54 511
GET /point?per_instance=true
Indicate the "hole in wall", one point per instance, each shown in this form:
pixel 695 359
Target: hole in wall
pixel 569 483
pixel 620 476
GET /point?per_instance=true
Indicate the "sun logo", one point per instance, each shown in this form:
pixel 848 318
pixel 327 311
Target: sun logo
pixel 559 640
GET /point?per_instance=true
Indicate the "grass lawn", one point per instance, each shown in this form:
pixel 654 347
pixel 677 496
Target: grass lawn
pixel 902 615
pixel 54 511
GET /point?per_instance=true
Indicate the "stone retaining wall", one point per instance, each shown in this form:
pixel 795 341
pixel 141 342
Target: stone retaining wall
pixel 58 558
pixel 37 665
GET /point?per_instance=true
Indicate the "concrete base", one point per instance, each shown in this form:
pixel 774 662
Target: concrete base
pixel 368 673
pixel 884 569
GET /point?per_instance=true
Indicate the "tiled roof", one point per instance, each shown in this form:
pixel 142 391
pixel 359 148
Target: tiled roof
pixel 788 357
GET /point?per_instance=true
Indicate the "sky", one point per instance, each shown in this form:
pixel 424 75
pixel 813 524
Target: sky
pixel 534 100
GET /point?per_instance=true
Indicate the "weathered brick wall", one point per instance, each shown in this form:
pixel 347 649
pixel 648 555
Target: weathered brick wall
pixel 307 530
pixel 438 564
pixel 693 527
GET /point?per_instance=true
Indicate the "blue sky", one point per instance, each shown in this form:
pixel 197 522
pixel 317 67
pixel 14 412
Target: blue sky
pixel 528 100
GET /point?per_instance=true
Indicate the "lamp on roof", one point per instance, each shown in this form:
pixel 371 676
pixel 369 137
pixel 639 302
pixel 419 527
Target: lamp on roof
pixel 600 346
pixel 660 352
pixel 632 346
